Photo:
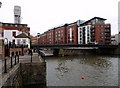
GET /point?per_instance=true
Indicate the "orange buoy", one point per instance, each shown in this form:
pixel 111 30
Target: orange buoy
pixel 82 77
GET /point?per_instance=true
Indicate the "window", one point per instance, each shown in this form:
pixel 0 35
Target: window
pixel 88 30
pixel 72 41
pixel 100 36
pixel 59 35
pixel 24 41
pixel 18 41
pixel 56 32
pixel 88 27
pixel 80 32
pixel 107 30
pixel 2 34
pixel 88 37
pixel 100 40
pixel 13 33
pixel 100 29
pixel 101 33
pixel 68 41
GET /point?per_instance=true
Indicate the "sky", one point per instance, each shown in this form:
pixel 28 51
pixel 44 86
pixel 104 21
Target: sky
pixel 42 15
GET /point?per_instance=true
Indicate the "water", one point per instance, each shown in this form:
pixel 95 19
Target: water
pixel 97 71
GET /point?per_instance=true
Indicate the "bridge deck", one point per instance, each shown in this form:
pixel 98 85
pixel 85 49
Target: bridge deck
pixel 77 46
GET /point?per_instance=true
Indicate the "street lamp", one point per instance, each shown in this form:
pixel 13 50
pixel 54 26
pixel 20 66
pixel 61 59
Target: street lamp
pixel 0 4
pixel 5 64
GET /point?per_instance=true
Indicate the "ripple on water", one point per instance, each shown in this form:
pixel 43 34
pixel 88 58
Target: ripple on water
pixel 97 70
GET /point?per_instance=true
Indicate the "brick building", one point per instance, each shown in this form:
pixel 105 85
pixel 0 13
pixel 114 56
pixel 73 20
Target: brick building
pixel 94 31
pixel 43 39
pixel 71 33
pixel 14 38
pixel 60 35
pixel 50 36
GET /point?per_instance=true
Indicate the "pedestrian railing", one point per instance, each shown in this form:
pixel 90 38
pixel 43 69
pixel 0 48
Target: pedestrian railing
pixel 9 63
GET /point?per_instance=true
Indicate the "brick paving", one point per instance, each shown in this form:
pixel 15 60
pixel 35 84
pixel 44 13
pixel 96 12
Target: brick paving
pixel 22 59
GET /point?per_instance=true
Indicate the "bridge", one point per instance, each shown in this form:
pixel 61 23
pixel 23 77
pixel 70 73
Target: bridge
pixel 110 49
pixel 80 46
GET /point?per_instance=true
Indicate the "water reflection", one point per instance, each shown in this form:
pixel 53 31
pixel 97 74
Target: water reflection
pixel 62 69
pixel 96 62
pixel 97 70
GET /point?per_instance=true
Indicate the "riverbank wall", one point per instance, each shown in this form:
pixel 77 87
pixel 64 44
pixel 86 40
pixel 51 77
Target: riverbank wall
pixel 90 52
pixel 28 75
pixel 74 52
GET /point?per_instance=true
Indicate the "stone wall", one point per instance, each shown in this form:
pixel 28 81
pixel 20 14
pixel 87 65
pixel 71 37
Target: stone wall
pixel 33 74
pixel 28 75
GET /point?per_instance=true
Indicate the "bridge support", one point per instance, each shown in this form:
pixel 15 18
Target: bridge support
pixel 56 52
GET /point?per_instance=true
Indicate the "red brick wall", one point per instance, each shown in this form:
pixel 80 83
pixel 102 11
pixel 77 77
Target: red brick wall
pixel 101 27
pixel 75 34
pixel 61 36
pixel 50 35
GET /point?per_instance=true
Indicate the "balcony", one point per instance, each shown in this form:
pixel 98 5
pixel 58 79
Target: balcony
pixel 93 35
pixel 107 38
pixel 107 27
pixel 107 30
pixel 92 30
pixel 92 40
pixel 107 42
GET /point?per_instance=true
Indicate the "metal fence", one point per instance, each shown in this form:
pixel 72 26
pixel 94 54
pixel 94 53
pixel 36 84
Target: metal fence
pixel 9 63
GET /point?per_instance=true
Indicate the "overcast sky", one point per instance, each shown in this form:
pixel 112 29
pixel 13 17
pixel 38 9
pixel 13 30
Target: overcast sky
pixel 41 15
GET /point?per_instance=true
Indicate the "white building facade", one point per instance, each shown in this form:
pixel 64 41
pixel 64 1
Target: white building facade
pixel 9 33
pixel 84 34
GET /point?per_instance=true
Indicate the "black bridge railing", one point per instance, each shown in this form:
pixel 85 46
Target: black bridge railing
pixel 76 45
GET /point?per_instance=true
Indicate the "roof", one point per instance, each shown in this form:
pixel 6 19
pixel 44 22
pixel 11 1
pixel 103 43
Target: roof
pixel 22 35
pixel 14 24
pixel 93 19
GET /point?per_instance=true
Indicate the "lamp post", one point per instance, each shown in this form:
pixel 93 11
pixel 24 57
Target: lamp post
pixel 5 62
pixel 0 4
pixel 31 54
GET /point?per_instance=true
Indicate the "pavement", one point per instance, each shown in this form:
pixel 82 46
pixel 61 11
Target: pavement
pixel 10 71
pixel 27 58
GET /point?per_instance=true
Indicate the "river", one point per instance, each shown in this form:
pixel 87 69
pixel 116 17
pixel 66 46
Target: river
pixel 84 70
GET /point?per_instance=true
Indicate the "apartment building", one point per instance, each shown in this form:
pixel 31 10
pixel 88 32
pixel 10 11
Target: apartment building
pixel 94 31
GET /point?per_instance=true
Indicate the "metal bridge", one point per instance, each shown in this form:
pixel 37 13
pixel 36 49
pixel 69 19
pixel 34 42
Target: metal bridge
pixel 77 46
pixel 85 48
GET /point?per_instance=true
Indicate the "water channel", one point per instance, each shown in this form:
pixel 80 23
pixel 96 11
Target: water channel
pixel 96 70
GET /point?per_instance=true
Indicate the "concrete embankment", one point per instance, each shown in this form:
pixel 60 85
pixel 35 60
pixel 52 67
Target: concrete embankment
pixel 65 52
pixel 28 75
pixel 72 52
pixel 46 53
